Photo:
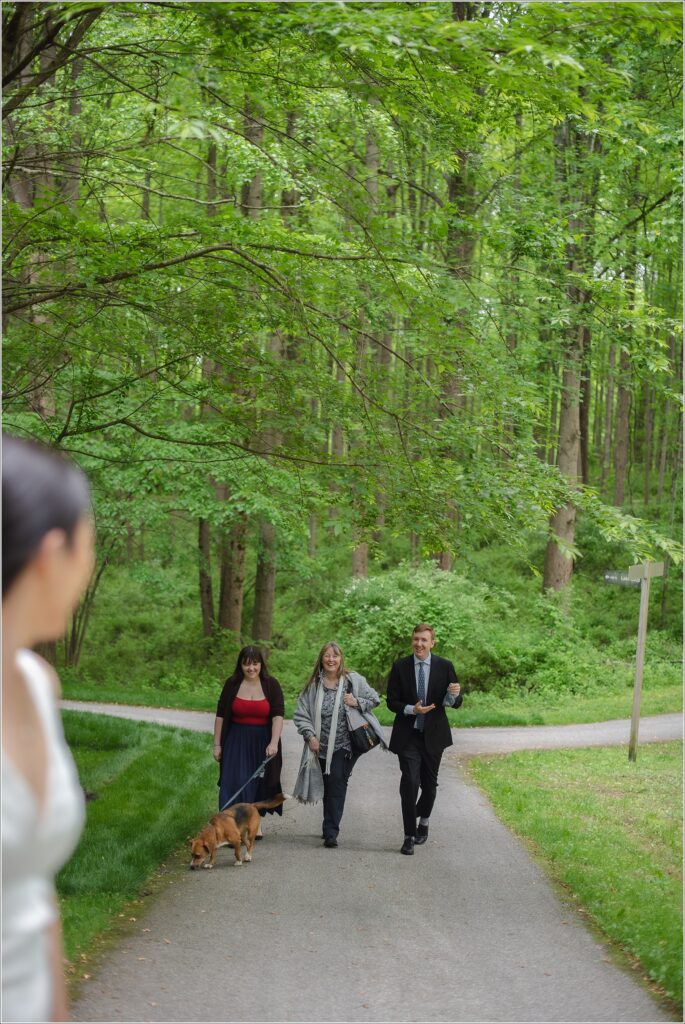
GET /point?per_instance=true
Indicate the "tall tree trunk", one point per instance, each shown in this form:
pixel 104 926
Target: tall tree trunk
pixel 608 417
pixel 205 568
pixel 71 184
pixel 571 154
pixel 360 551
pixel 233 550
pixel 265 584
pixel 553 417
pixel 597 418
pixel 622 438
pixel 585 408
pixel 558 562
pixel 360 559
pixel 269 438
pixel 622 428
pixel 663 454
pixel 460 245
pixel 647 456
pixel 233 545
pixel 337 434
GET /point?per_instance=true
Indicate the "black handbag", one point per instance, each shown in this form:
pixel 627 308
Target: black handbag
pixel 362 736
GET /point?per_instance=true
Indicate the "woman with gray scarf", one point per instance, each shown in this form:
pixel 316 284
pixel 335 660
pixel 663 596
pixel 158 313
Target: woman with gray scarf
pixel 328 758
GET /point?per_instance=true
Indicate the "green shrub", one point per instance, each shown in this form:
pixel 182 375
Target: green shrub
pixel 505 637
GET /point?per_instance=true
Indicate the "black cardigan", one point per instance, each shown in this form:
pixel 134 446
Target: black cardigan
pixel 274 695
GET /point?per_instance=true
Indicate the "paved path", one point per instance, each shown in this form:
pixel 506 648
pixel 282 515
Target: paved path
pixel 469 929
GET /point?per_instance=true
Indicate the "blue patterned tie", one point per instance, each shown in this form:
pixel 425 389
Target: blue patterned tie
pixel 421 692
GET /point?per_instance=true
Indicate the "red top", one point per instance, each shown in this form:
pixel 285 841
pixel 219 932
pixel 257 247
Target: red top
pixel 251 712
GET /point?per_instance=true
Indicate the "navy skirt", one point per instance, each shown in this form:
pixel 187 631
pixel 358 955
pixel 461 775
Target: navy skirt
pixel 243 752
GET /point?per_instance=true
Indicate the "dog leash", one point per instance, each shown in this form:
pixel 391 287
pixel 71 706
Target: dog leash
pixel 259 774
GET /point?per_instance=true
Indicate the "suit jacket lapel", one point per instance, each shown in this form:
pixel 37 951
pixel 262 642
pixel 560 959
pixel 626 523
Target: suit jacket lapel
pixel 410 678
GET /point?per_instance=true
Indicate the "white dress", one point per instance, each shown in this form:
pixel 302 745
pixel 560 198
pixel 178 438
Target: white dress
pixel 35 845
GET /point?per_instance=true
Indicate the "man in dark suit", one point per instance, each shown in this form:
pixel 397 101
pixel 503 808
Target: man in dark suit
pixel 420 687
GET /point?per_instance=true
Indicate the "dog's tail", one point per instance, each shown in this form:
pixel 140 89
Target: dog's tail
pixel 265 805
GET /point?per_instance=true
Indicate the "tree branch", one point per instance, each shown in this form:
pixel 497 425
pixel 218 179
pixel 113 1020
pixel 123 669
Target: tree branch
pixel 66 49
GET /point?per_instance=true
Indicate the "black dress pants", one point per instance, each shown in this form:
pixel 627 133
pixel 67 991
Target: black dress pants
pixel 419 771
pixel 335 790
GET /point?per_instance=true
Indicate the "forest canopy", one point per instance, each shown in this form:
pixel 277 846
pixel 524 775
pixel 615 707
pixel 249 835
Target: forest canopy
pixel 396 275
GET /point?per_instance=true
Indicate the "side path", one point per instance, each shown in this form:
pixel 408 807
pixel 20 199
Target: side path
pixel 500 740
pixel 469 929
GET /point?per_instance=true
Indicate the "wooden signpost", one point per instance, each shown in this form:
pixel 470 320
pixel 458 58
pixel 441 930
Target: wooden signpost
pixel 638 576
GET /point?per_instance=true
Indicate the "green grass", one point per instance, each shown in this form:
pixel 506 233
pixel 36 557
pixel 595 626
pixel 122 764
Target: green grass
pixel 481 709
pixel 153 786
pixel 610 831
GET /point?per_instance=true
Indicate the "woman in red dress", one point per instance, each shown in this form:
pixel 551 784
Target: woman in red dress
pixel 247 729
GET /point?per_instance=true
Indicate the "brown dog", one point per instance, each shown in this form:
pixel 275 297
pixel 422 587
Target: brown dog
pixel 237 826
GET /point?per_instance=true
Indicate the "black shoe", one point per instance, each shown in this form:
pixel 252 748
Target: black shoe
pixel 330 843
pixel 408 846
pixel 421 834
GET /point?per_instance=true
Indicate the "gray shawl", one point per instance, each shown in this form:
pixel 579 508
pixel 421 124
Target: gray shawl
pixel 307 719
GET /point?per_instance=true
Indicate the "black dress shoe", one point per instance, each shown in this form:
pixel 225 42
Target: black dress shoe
pixel 330 843
pixel 421 834
pixel 408 846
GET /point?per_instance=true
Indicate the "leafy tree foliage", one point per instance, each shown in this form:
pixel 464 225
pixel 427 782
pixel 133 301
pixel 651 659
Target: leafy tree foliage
pixel 288 268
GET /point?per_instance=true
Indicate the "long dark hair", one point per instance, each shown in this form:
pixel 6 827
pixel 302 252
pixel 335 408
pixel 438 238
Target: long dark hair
pixel 41 491
pixel 253 656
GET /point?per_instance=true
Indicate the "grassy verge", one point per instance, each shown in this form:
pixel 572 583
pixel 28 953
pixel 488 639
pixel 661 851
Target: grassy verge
pixel 610 831
pixel 153 786
pixel 479 709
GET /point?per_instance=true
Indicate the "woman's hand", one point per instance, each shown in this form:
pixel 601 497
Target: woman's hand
pixel 272 749
pixel 217 751
pixel 351 700
pixel 314 744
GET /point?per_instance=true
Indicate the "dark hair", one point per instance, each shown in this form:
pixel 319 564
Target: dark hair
pixel 252 656
pixel 41 491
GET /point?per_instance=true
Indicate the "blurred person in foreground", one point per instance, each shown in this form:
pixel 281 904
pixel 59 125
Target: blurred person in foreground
pixel 47 560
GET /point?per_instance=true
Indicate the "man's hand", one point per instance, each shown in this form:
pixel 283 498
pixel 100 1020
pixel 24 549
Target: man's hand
pixel 454 689
pixel 422 709
pixel 272 749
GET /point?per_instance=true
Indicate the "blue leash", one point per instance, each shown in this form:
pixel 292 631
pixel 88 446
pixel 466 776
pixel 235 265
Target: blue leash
pixel 259 774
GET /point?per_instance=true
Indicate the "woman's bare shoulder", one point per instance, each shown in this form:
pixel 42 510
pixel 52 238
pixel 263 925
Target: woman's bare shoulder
pixel 49 671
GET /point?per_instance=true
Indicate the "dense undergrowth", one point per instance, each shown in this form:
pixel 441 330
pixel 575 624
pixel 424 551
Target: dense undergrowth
pixel 519 653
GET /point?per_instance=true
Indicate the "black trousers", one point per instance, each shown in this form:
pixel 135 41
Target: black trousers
pixel 419 771
pixel 335 790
